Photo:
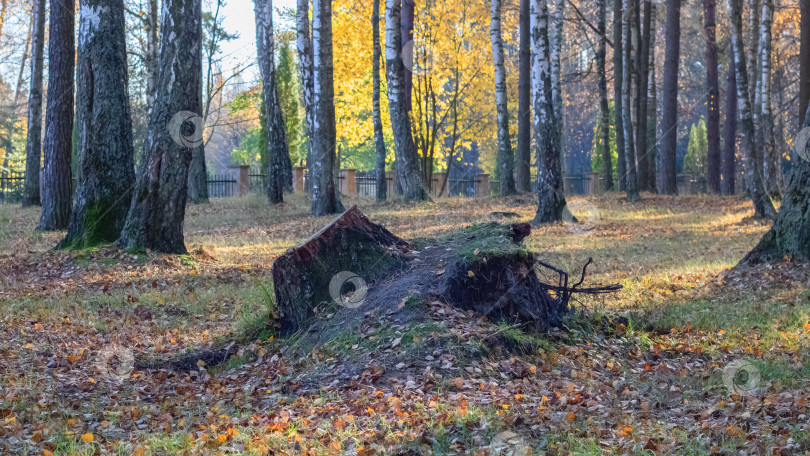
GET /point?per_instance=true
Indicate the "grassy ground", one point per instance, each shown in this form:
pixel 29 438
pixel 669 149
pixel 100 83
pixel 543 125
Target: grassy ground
pixel 640 372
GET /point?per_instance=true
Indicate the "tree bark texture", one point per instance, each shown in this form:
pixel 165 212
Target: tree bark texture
pixel 652 109
pixel 276 135
pixel 763 208
pixel 57 188
pixel 643 64
pixel 379 137
pixel 325 199
pixel 524 139
pixel 790 234
pixel 804 58
pixel 771 158
pixel 618 84
pixel 667 177
pixel 155 218
pixel 712 98
pixel 604 107
pixel 730 133
pixel 33 142
pixel 407 158
pixel 631 180
pixel 506 159
pixel 304 45
pixel 549 164
pixel 104 123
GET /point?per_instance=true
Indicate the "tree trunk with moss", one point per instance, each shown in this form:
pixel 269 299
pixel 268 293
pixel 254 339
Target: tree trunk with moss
pixel 789 237
pixel 105 155
pixel 155 218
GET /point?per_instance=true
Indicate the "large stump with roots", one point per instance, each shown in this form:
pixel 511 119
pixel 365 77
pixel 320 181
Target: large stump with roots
pixel 353 267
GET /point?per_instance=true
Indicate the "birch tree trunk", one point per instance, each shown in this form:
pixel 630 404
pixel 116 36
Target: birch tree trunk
pixel 407 15
pixel 407 158
pixel 763 208
pixel 151 57
pixel 618 84
pixel 524 140
pixel 304 45
pixel 549 167
pixel 197 172
pixel 57 187
pixel 104 123
pixel 730 139
pixel 604 107
pixel 379 138
pixel 752 59
pixel 667 178
pixel 712 97
pixel 155 218
pixel 276 135
pixel 631 184
pixel 506 160
pixel 33 142
pixel 325 199
pixel 767 144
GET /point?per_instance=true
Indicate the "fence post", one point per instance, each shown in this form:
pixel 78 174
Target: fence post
pixel 482 190
pixel 298 179
pixel 438 180
pixel 348 182
pixel 242 185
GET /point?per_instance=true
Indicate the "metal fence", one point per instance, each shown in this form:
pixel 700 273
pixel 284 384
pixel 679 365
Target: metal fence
pixel 222 186
pixel 11 187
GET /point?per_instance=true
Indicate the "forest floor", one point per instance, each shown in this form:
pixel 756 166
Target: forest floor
pixel 103 351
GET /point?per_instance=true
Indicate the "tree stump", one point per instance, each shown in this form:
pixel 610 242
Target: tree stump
pixel 350 243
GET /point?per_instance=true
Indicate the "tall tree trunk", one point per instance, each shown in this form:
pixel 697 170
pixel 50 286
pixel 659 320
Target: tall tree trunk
pixel 524 140
pixel 667 178
pixel 57 188
pixel 550 190
pixel 105 155
pixel 151 57
pixel 763 208
pixel 652 110
pixel 643 64
pixel 407 158
pixel 155 218
pixel 556 40
pixel 33 142
pixel 379 138
pixel 604 107
pixel 754 17
pixel 790 234
pixel 804 59
pixel 407 15
pixel 506 160
pixel 276 135
pixel 712 97
pixel 304 45
pixel 631 184
pixel 325 199
pixel 618 84
pixel 730 139
pixel 767 144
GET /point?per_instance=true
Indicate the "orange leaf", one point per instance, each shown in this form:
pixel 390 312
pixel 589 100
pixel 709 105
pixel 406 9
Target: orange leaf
pixel 88 438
